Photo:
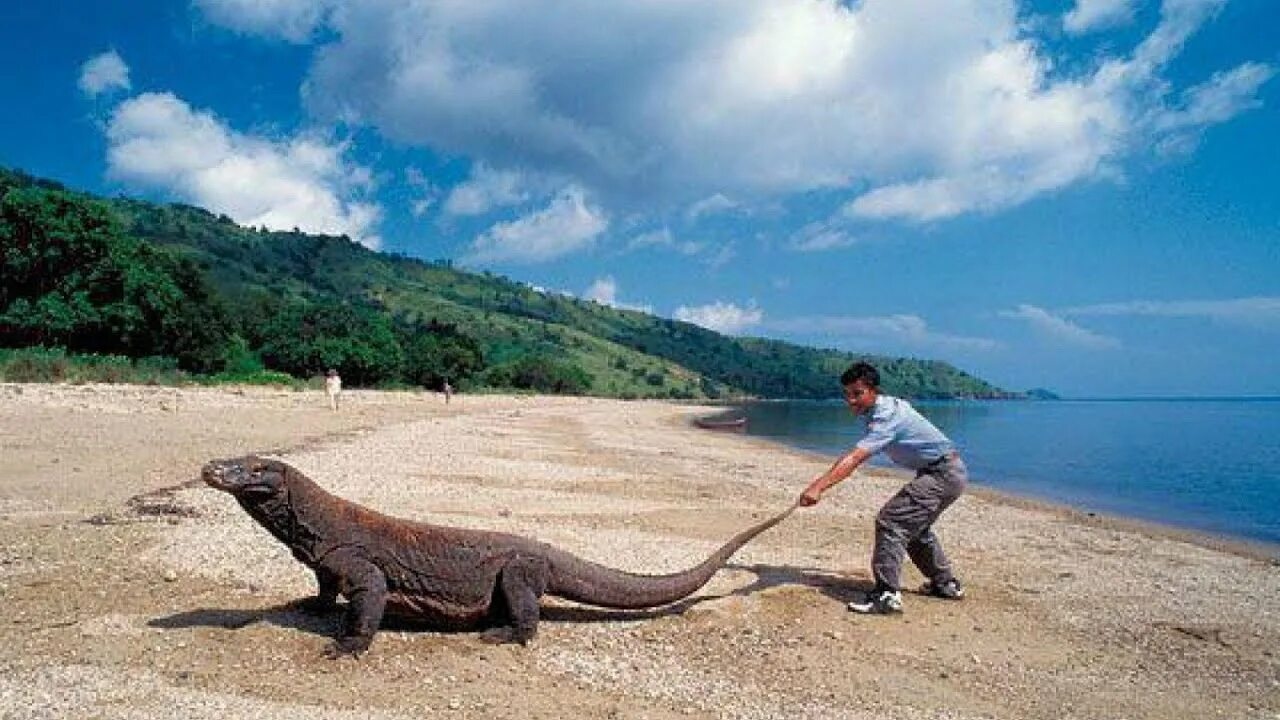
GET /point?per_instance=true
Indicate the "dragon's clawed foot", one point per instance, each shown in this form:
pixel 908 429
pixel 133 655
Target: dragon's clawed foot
pixel 505 635
pixel 314 605
pixel 344 646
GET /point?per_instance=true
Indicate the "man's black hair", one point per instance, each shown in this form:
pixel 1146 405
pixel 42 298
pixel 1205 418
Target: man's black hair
pixel 864 371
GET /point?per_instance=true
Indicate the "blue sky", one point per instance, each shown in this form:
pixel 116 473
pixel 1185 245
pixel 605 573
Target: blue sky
pixel 1079 195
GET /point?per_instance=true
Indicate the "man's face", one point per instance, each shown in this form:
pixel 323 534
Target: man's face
pixel 860 397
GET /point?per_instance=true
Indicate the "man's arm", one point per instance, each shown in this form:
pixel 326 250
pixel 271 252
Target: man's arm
pixel 842 469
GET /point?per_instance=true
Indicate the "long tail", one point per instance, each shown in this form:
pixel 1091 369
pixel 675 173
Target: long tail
pixel 583 581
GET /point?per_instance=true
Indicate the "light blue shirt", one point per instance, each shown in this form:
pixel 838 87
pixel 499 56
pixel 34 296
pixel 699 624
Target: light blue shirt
pixel 903 434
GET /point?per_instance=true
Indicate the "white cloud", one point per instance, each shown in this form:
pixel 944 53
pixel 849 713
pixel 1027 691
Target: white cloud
pixel 565 226
pixel 156 140
pixel 710 205
pixel 485 190
pixel 1257 311
pixel 721 256
pixel 1089 15
pixel 905 330
pixel 428 193
pixel 652 238
pixel 104 73
pixel 917 109
pixel 421 206
pixel 1179 20
pixel 292 20
pixel 1059 329
pixel 549 291
pixel 605 291
pixel 720 316
pixel 663 238
pixel 1217 100
pixel 820 237
pixel 1069 130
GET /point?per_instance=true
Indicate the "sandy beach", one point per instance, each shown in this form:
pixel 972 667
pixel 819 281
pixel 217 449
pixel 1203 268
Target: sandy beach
pixel 132 591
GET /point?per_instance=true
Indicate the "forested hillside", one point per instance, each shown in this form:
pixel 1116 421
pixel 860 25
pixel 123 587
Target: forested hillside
pixel 141 279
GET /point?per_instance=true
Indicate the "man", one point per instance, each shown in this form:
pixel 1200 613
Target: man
pixel 905 523
pixel 332 388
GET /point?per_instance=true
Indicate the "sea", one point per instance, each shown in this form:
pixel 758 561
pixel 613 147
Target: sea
pixel 1206 464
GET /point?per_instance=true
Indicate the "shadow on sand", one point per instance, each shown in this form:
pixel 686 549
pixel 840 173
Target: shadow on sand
pixel 840 588
pixel 287 615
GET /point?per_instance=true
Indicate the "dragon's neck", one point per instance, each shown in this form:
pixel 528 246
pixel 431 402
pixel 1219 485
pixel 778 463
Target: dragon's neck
pixel 280 517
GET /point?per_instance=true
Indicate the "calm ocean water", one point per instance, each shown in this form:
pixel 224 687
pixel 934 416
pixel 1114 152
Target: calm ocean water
pixel 1209 465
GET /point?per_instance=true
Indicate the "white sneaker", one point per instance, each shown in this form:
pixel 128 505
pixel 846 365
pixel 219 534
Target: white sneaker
pixel 885 602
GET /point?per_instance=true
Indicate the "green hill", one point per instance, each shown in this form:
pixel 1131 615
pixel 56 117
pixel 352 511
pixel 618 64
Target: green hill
pixel 299 302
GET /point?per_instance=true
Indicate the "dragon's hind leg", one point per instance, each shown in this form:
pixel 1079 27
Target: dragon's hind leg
pixel 522 581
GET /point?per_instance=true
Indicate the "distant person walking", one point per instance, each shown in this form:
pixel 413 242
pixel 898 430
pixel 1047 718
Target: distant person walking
pixel 905 523
pixel 448 392
pixel 332 388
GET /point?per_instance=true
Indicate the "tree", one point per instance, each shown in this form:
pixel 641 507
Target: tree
pixel 541 373
pixel 438 352
pixel 304 338
pixel 71 277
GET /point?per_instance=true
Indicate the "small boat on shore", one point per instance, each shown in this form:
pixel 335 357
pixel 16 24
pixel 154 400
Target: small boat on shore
pixel 738 424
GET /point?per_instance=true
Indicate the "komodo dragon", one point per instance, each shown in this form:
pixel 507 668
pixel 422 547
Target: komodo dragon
pixel 447 577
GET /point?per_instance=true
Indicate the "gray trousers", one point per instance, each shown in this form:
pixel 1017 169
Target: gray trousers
pixel 905 525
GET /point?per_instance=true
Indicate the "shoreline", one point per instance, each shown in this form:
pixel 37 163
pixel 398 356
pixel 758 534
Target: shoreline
pixel 1086 511
pixel 1243 547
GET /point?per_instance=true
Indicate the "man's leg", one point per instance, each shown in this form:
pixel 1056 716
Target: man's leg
pixel 899 520
pixel 925 550
pixel 926 553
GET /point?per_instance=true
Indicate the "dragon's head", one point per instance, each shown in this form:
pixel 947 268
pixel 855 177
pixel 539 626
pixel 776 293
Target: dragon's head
pixel 249 477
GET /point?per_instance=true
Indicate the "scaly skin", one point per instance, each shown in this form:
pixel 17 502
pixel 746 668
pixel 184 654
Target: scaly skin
pixel 448 577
